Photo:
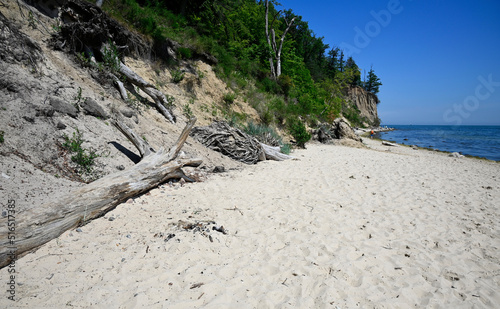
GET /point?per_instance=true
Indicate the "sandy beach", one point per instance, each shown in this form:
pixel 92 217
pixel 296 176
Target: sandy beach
pixel 340 227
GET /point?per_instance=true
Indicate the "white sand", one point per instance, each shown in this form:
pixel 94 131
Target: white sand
pixel 340 228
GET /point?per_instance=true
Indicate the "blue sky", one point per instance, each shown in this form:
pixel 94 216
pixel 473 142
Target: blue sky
pixel 438 60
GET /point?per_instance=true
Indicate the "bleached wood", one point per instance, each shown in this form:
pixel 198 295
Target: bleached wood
pixel 144 148
pixel 121 88
pixel 41 224
pixel 271 41
pixel 274 153
pixel 389 144
pixel 157 96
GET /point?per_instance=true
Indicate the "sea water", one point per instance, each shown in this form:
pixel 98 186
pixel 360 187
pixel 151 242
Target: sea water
pixel 480 141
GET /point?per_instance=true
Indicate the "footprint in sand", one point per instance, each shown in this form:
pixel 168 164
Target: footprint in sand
pixel 451 276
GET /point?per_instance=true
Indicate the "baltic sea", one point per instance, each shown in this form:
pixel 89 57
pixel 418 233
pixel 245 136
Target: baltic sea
pixel 479 141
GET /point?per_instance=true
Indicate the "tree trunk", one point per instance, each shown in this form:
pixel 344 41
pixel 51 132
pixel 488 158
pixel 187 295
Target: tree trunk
pixel 278 53
pixel 121 88
pixel 141 145
pixel 274 153
pixel 37 226
pixel 275 72
pixel 157 96
pixel 271 59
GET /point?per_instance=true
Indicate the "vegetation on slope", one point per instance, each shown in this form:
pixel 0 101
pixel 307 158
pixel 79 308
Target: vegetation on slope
pixel 315 77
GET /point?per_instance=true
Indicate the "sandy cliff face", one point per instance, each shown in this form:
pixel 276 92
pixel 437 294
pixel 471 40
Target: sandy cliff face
pixel 365 101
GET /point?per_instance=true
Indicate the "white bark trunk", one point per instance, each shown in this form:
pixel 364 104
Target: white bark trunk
pixel 274 153
pixel 271 41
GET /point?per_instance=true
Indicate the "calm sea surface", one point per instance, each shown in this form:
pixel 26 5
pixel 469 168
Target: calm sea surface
pixel 481 141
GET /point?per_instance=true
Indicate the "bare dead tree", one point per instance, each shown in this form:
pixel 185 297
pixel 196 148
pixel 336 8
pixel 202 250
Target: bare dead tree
pixel 271 41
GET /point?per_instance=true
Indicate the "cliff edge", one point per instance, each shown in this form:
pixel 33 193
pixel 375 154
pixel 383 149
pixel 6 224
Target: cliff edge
pixel 366 102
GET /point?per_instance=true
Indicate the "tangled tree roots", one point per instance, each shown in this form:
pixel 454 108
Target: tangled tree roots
pixel 87 29
pixel 234 143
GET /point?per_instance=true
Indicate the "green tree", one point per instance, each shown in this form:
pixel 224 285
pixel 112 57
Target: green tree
pixel 332 62
pixel 307 46
pixel 355 74
pixel 372 83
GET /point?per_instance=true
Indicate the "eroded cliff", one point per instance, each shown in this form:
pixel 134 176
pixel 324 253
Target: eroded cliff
pixel 366 102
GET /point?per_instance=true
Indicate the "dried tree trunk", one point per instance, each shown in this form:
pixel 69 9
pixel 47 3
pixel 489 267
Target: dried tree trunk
pixel 276 72
pixel 278 53
pixel 157 96
pixel 274 153
pixel 389 144
pixel 271 59
pixel 236 144
pixel 42 224
pixel 144 148
pixel 121 88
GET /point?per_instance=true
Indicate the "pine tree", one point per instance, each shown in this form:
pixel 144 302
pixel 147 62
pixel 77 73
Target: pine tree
pixel 372 83
pixel 353 69
pixel 332 63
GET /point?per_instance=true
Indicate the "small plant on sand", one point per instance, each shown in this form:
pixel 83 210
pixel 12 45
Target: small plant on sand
pixel 177 76
pixel 78 98
pixel 111 57
pixel 32 20
pixel 286 149
pixel 1 137
pixel 84 60
pixel 201 75
pixel 229 98
pixel 187 112
pixel 170 101
pixel 56 28
pixel 85 158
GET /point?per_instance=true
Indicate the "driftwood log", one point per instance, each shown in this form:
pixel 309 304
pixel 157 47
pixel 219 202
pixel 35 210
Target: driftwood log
pixel 389 144
pixel 274 153
pixel 230 141
pixel 38 226
pixel 236 144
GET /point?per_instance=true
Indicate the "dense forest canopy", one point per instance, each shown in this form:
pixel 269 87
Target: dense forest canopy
pixel 315 77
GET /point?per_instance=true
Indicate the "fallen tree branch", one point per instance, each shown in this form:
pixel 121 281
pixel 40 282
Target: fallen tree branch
pixel 121 88
pixel 144 148
pixel 158 97
pixel 274 153
pixel 39 225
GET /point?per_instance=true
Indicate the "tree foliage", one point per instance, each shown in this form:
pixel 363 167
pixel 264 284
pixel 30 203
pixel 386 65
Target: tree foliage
pixel 314 78
pixel 372 82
